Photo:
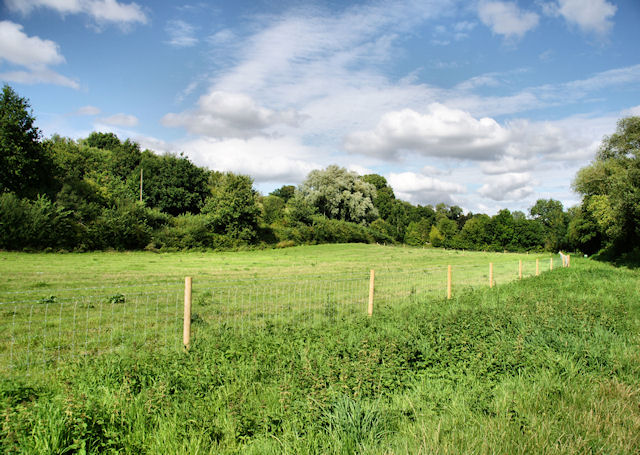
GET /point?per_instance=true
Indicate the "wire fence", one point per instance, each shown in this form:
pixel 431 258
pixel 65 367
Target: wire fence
pixel 39 333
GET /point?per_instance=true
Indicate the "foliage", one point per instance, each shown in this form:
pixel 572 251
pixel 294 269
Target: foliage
pixel 285 192
pixel 417 233
pixel 232 208
pixel 25 169
pixel 339 194
pixel 610 188
pixel 553 218
pixel 173 184
pixel 34 224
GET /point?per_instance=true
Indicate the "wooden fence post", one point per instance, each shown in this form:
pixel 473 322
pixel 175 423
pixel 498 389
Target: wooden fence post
pixel 551 264
pixel 490 274
pixel 186 332
pixel 449 282
pixel 568 260
pixel 520 269
pixel 537 266
pixel 372 278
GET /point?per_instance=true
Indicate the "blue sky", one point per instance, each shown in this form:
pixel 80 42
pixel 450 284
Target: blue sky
pixel 484 104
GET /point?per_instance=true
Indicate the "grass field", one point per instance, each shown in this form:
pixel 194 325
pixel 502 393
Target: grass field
pixel 547 365
pixel 56 307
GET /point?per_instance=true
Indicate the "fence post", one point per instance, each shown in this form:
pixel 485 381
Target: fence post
pixel 490 274
pixel 568 260
pixel 551 264
pixel 372 278
pixel 186 332
pixel 449 282
pixel 537 266
pixel 520 269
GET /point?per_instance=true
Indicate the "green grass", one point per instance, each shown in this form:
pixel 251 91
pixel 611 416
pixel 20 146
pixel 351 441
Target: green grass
pixel 57 307
pixel 547 365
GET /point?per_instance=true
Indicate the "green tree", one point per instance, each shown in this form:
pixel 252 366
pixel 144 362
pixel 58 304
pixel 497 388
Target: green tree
pixel 417 233
pixel 285 192
pixel 610 188
pixel 171 183
pixel 232 208
pixel 272 208
pixel 550 214
pixel 384 198
pixel 339 194
pixel 25 168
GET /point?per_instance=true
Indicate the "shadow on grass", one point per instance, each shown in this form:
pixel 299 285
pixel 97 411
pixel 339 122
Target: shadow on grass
pixel 630 259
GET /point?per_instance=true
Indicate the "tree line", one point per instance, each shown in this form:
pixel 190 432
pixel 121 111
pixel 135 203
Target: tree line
pixel 100 193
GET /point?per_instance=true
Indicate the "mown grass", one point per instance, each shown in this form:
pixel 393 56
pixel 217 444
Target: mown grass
pixel 47 273
pixel 547 365
pixel 55 307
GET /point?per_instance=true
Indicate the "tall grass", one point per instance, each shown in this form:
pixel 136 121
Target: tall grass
pixel 546 365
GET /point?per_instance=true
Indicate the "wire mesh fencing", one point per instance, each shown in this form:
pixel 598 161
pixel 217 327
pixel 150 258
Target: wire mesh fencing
pixel 39 333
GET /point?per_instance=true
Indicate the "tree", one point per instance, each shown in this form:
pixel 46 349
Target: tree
pixel 550 214
pixel 384 198
pixel 417 233
pixel 272 208
pixel 25 168
pixel 285 192
pixel 610 188
pixel 172 184
pixel 339 194
pixel 232 208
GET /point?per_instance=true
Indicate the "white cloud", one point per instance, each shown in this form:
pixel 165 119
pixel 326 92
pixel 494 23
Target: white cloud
pixel 181 34
pixel 33 53
pixel 441 132
pixel 88 110
pixel 632 111
pixel 100 10
pixel 422 189
pixel 506 187
pixel 224 114
pixel 45 76
pixel 591 16
pixel 505 18
pixel 124 120
pixel 30 51
pixel 264 159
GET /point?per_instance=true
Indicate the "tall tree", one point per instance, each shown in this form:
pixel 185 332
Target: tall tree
pixel 610 187
pixel 551 215
pixel 25 169
pixel 232 208
pixel 340 194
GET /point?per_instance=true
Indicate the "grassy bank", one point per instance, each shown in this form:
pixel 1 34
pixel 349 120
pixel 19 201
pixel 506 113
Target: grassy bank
pixel 547 365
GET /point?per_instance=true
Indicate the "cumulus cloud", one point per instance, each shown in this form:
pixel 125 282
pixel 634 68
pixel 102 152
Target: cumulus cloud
pixel 440 132
pixel 506 19
pixel 415 187
pixel 124 120
pixel 506 187
pixel 224 114
pixel 33 53
pixel 591 16
pixel 264 159
pixel 30 51
pixel 181 34
pixel 101 11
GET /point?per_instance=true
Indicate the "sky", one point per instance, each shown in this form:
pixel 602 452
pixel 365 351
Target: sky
pixel 483 104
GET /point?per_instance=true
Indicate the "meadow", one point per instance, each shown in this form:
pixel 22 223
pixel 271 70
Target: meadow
pixel 548 364
pixel 56 307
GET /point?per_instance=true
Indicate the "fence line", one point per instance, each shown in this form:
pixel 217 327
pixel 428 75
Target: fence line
pixel 37 335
